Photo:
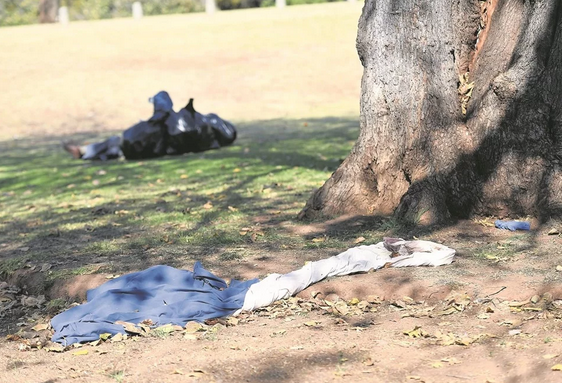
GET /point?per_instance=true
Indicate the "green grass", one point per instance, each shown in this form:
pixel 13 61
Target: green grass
pixel 289 80
pixel 193 205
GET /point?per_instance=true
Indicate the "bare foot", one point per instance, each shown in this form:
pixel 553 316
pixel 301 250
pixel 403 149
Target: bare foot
pixel 74 150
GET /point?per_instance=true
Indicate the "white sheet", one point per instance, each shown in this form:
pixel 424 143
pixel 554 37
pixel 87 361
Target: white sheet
pixel 354 260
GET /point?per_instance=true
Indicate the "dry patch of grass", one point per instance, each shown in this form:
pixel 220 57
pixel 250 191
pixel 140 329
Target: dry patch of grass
pixel 244 65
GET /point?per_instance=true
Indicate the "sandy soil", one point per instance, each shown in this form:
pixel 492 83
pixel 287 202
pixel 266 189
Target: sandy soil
pixel 481 319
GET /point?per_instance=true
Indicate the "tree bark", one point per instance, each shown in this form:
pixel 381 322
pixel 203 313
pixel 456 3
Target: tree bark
pixel 461 112
pixel 48 11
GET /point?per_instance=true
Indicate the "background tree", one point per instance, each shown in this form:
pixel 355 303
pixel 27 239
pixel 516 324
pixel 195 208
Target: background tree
pixel 48 11
pixel 461 112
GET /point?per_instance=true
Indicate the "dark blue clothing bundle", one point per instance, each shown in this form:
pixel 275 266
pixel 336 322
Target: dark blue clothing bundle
pixel 163 294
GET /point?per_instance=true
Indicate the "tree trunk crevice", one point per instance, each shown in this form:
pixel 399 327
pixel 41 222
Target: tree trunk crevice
pixel 418 155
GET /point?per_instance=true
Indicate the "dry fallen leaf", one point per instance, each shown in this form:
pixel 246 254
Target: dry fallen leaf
pixel 192 327
pixel 354 301
pixel 130 327
pixel 550 356
pixel 232 321
pixel 359 240
pixel 368 362
pixel 417 332
pixel 556 367
pixel 311 323
pixel 40 327
pixel 81 352
pixel 196 373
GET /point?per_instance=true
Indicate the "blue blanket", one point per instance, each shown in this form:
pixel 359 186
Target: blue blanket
pixel 163 294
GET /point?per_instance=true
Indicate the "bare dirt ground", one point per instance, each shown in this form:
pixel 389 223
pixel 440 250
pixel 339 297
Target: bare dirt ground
pixel 490 317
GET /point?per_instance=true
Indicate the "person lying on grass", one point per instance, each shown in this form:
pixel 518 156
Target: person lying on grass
pixel 166 132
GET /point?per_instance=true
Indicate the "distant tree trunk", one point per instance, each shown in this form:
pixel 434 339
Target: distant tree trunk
pixel 461 112
pixel 48 11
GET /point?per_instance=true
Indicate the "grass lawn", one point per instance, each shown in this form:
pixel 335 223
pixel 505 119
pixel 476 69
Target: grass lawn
pixel 289 80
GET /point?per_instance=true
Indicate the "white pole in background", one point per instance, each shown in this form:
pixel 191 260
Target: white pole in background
pixel 210 6
pixel 137 10
pixel 63 15
pixel 280 3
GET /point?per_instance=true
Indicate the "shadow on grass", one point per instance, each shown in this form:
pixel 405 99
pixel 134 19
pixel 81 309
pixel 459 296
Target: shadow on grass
pixel 130 214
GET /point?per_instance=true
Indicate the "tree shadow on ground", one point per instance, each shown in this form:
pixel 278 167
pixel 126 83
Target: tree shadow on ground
pixel 74 214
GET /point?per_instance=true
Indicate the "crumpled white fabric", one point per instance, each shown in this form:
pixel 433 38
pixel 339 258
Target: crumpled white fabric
pixel 354 260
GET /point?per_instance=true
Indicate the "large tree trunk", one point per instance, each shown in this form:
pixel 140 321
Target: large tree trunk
pixel 430 145
pixel 48 11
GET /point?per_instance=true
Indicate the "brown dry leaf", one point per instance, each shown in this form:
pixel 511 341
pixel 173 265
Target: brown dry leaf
pixel 54 347
pixel 311 323
pixel 196 373
pixel 375 299
pixel 278 333
pixel 232 209
pixel 177 371
pixel 168 328
pixel 448 311
pixel 40 327
pixel 232 321
pixel 550 356
pixel 359 240
pixel 417 332
pixel 450 360
pixel 81 352
pixel 363 305
pixel 192 327
pixel 244 230
pixel 130 327
pixel 341 308
pixel 518 303
pixel 556 367
pixel 208 205
pixel 118 338
pixel 368 362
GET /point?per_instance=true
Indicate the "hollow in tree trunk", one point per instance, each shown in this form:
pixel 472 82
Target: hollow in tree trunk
pixel 461 112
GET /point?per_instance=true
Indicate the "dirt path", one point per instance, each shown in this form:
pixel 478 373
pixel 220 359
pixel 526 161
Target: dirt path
pixel 490 317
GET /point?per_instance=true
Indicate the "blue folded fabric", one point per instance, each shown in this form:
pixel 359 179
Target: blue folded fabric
pixel 512 225
pixel 163 294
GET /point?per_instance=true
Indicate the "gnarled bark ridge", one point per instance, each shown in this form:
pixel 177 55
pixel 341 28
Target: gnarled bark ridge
pixel 461 112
